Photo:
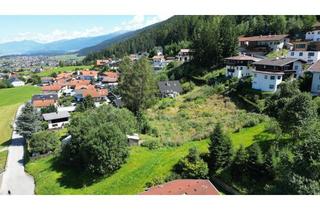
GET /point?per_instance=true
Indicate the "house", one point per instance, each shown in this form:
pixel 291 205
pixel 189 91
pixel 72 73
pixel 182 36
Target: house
pixel 64 75
pixel 158 62
pixel 97 94
pixel 184 187
pixel 15 82
pixel 44 100
pixel 47 80
pixel 264 42
pixel 88 75
pixel 315 85
pixel 313 35
pixel 185 55
pixel 101 63
pixel 134 140
pixel 56 120
pixel 169 88
pixel 53 88
pixel 109 77
pixel 306 50
pixel 269 73
pixel 240 66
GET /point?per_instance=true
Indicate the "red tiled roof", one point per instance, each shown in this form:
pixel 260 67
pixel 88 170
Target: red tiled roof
pixel 89 73
pixel 43 103
pixel 111 74
pixel 243 58
pixel 64 76
pixel 263 38
pixel 53 87
pixel 95 93
pixel 184 187
pixel 79 87
pixel 74 83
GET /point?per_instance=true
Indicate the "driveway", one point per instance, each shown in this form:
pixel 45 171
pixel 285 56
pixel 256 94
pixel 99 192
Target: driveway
pixel 14 178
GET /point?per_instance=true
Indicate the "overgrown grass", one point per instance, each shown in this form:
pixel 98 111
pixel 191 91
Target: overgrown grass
pixel 48 72
pixel 142 166
pixel 279 53
pixel 3 159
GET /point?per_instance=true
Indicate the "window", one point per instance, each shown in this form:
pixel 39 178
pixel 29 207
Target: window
pixel 292 53
pixel 241 67
pixel 311 54
pixel 265 76
pixel 296 67
pixel 318 32
pixel 272 77
pixel 271 86
pixel 279 77
pixel 300 53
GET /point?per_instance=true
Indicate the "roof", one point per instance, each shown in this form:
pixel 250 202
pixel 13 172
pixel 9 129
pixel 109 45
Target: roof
pixel 111 74
pixel 79 87
pixel 315 67
pixel 89 73
pixel 170 86
pixel 243 58
pixel 64 75
pixel 78 82
pixel 44 97
pixel 14 79
pixel 277 62
pixel 268 72
pixel 184 187
pixel 186 50
pixel 95 93
pixel 43 103
pixel 55 115
pixel 53 87
pixel 46 79
pixel 263 38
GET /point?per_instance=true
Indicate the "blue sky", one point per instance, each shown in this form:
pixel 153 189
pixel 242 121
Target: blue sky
pixel 52 28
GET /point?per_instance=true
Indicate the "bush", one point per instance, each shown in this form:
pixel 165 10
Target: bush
pixel 152 144
pixel 155 181
pixel 251 122
pixel 43 142
pixel 188 86
pixel 166 102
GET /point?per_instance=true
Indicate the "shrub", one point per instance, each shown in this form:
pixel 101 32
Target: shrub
pixel 166 102
pixel 188 86
pixel 152 144
pixel 251 122
pixel 43 142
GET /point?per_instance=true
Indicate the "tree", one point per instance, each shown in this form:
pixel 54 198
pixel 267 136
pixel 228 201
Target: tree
pixel 192 166
pixel 43 142
pixel 28 122
pixel 238 167
pixel 229 36
pixel 220 150
pixel 137 85
pixel 255 162
pixel 298 112
pixel 34 79
pixel 48 109
pixel 99 144
pixel 87 103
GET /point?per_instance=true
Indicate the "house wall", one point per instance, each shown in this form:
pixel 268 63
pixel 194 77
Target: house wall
pixel 313 35
pixel 309 56
pixel 57 125
pixel 274 45
pixel 263 81
pixel 315 87
pixel 18 84
pixel 238 71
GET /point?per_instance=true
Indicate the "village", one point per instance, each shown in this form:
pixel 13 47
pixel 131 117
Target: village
pixel 73 99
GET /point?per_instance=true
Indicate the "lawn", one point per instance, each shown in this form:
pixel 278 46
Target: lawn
pixel 142 166
pixel 48 72
pixel 10 99
pixel 3 159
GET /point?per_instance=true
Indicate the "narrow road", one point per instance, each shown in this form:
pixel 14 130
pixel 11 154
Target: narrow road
pixel 14 178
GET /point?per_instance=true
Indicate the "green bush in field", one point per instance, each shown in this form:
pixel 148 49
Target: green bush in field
pixel 152 144
pixel 43 142
pixel 166 102
pixel 188 86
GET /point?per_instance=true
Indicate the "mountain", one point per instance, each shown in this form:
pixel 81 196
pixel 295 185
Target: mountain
pixel 56 47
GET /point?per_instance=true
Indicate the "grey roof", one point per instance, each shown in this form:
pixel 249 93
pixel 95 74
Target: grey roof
pixel 55 115
pixel 170 86
pixel 315 67
pixel 45 97
pixel 277 62
pixel 14 79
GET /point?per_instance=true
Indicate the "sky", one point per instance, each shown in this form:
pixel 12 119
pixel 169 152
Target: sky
pixel 52 28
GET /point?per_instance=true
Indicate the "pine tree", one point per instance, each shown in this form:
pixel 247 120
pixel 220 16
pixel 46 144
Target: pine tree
pixel 220 150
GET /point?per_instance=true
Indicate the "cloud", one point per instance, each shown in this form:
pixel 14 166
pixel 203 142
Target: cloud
pixel 137 22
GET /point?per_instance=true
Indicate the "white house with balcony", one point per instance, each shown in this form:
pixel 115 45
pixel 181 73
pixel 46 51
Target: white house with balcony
pixel 185 55
pixel 315 70
pixel 56 120
pixel 309 56
pixel 240 66
pixel 313 35
pixel 269 73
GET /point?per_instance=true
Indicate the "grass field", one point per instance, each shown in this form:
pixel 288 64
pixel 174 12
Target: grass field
pixel 143 165
pixel 3 159
pixel 10 99
pixel 48 72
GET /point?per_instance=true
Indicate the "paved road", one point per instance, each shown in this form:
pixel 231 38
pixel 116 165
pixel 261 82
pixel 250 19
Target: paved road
pixel 14 178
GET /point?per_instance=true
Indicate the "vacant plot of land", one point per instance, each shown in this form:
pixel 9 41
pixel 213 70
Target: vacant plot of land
pixel 48 72
pixel 10 99
pixel 143 165
pixel 193 116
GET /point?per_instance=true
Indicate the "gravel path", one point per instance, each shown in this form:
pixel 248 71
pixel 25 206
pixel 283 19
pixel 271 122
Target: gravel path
pixel 15 178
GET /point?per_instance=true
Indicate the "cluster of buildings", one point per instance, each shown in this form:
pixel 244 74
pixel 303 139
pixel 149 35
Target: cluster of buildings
pixel 77 85
pixel 268 73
